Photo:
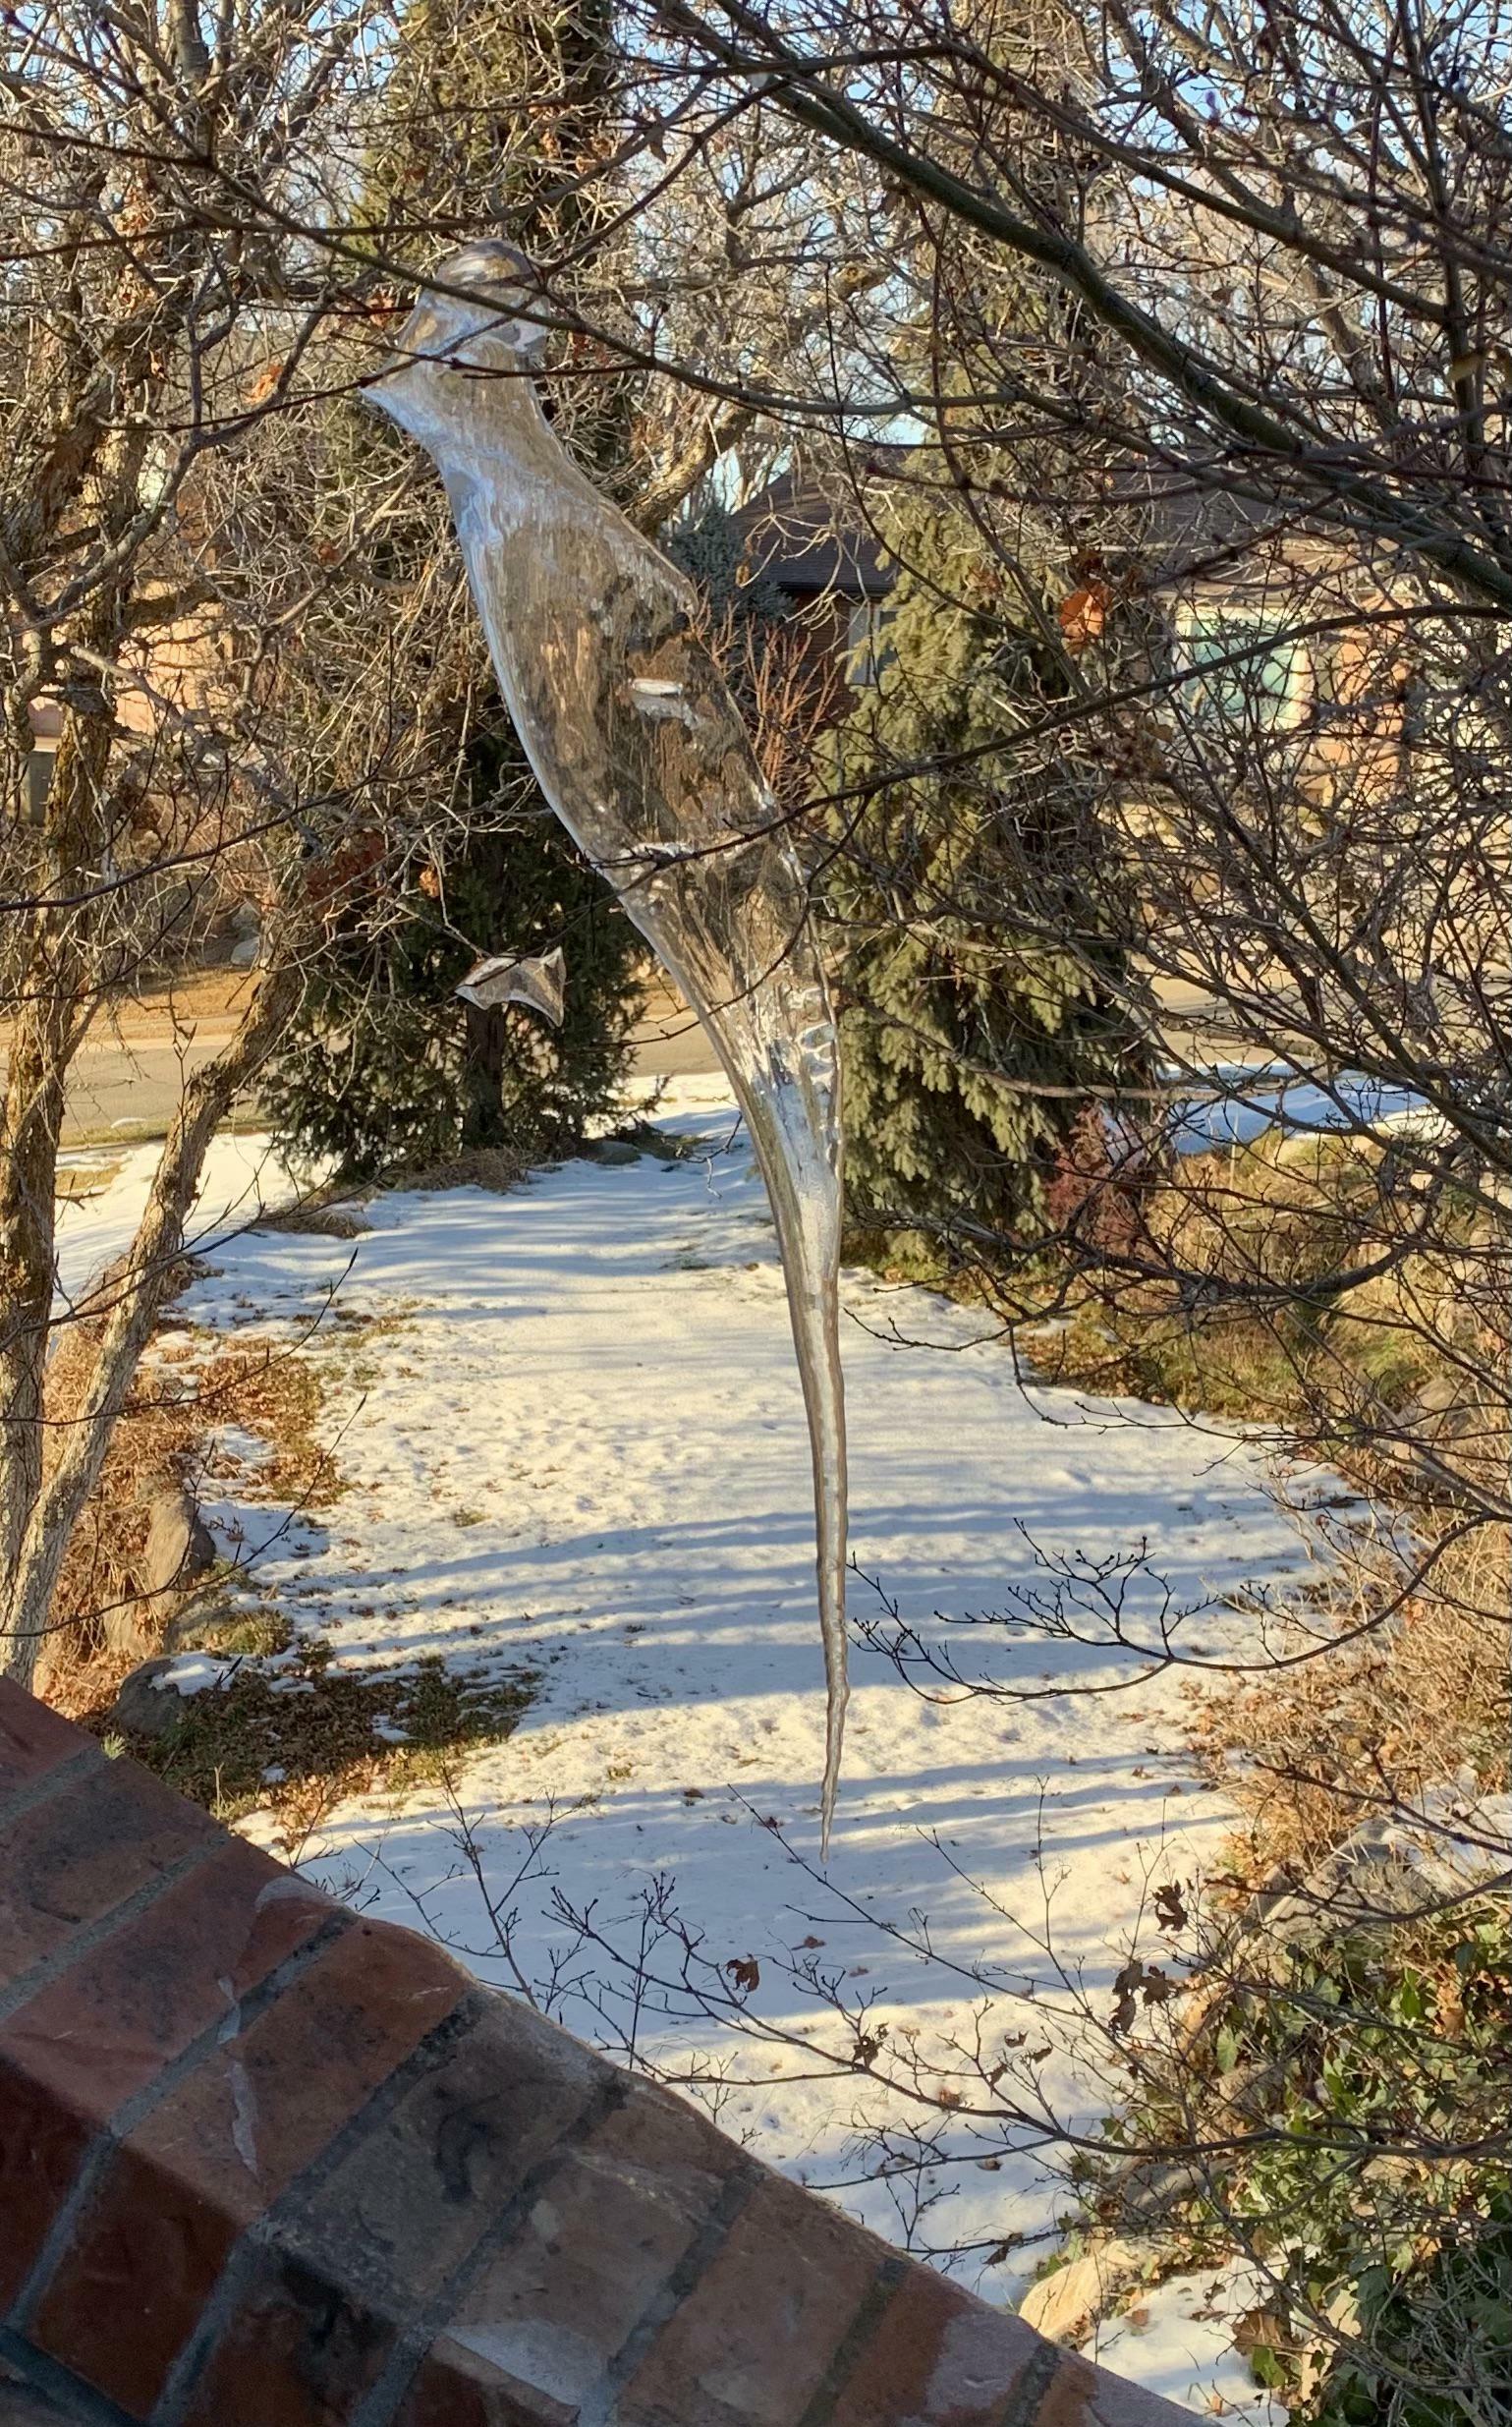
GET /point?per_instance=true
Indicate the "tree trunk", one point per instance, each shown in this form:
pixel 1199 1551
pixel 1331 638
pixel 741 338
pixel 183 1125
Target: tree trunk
pixel 59 1504
pixel 51 1020
pixel 33 1117
pixel 482 1076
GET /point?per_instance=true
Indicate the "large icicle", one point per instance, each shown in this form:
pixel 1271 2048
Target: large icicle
pixel 640 750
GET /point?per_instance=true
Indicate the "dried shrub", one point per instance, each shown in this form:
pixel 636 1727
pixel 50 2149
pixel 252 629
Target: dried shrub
pixel 105 1619
pixel 1416 1695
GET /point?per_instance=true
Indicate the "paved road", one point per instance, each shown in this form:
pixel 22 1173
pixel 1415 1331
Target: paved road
pixel 130 1089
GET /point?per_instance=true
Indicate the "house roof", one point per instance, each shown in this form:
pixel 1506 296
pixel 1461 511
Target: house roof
pixel 1200 529
pixel 807 541
pixel 810 538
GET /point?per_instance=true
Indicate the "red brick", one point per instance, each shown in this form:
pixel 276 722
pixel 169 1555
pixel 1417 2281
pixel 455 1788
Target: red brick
pixel 691 2157
pixel 937 2358
pixel 130 2291
pixel 1072 2399
pixel 225 2145
pixel 758 2333
pixel 42 2148
pixel 454 2387
pixel 32 1739
pixel 557 2303
pixel 409 2200
pixel 75 2052
pixel 104 2030
pixel 298 2353
pixel 72 1859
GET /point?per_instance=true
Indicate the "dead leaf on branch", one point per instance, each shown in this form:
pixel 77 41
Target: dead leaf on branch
pixel 1262 2329
pixel 1004 2249
pixel 266 383
pixel 745 1974
pixel 1137 1982
pixel 1084 614
pixel 1170 1909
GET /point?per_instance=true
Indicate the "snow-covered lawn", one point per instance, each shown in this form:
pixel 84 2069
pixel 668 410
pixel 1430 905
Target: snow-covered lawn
pixel 241 1177
pixel 582 1451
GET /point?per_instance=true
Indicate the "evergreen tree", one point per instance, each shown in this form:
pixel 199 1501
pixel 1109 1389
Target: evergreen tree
pixel 984 936
pixel 386 1069
pixel 490 119
pixel 972 973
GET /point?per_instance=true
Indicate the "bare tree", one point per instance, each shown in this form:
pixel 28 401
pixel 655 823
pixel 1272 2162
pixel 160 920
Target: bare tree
pixel 1245 358
pixel 239 667
pixel 164 556
pixel 1238 369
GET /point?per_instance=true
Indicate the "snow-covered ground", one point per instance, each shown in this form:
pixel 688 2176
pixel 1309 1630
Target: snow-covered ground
pixel 582 1451
pixel 1245 1102
pixel 241 1180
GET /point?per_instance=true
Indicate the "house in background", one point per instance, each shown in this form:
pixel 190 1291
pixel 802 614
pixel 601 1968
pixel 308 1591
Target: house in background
pixel 1236 589
pixel 1281 637
pixel 815 545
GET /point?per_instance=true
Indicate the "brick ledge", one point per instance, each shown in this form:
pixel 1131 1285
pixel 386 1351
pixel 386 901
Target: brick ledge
pixel 264 2164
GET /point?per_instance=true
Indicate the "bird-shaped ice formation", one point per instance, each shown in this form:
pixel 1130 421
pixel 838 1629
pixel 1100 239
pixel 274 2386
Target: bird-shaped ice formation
pixel 639 747
pixel 512 977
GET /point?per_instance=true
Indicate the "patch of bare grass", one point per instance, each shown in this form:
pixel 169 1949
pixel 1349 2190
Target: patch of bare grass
pixel 498 1168
pixel 1230 1300
pixel 105 1619
pixel 286 1729
pixel 337 1219
pixel 301 1739
pixel 77 1180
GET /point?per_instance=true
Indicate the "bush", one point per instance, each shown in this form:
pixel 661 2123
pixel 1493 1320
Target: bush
pixel 1349 2100
pixel 982 989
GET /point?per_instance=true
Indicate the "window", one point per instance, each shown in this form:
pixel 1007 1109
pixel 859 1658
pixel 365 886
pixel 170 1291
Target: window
pixel 866 650
pixel 39 766
pixel 1269 687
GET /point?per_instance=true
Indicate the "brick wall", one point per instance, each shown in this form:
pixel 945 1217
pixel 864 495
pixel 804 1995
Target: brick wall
pixel 265 2163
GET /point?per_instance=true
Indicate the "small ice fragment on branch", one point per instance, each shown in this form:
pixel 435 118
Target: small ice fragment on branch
pixel 638 745
pixel 657 698
pixel 507 978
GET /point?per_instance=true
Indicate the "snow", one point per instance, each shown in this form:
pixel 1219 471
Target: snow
pixel 1177 2340
pixel 243 1177
pixel 193 1672
pixel 577 1447
pixel 1247 1100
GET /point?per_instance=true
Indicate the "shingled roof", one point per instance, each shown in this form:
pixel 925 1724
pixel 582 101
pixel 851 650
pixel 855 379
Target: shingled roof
pixel 810 540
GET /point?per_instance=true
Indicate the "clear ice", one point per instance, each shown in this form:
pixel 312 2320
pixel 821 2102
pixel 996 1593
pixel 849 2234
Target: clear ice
pixel 641 752
pixel 509 978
